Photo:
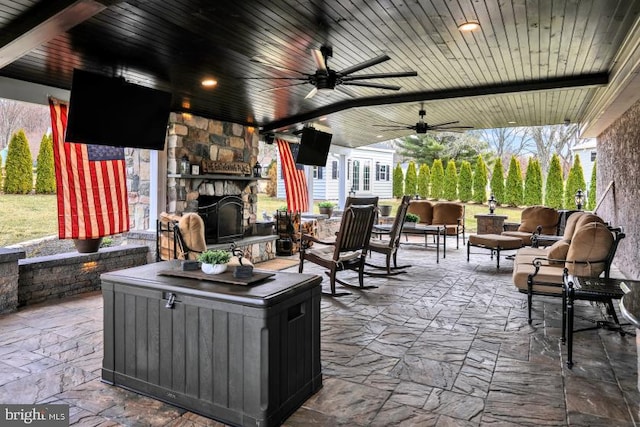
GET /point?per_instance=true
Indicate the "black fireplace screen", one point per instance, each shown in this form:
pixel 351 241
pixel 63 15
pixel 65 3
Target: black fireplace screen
pixel 222 218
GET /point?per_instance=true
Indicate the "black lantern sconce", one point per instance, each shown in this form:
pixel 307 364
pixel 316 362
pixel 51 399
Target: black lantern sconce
pixel 257 170
pixel 492 204
pixel 352 192
pixel 185 166
pixel 579 199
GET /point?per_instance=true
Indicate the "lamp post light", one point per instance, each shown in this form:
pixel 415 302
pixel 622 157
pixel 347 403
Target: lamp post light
pixel 579 199
pixel 492 204
pixel 257 170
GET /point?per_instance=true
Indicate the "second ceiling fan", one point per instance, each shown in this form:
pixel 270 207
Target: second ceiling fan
pixel 326 78
pixel 422 126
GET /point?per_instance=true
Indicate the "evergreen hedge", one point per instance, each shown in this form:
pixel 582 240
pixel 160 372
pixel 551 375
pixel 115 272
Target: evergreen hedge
pixel 451 181
pixel 480 173
pixel 19 166
pixel 465 182
pixel 424 178
pixel 575 182
pixel 398 182
pixel 411 179
pixel 437 179
pixel 533 183
pixel 554 190
pixel 513 187
pixel 497 181
pixel 591 199
pixel 45 172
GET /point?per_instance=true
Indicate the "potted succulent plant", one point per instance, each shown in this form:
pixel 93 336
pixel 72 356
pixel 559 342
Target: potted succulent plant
pixel 326 208
pixel 214 261
pixel 410 220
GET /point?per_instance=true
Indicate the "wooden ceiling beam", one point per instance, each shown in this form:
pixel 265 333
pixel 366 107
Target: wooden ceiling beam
pixel 585 80
pixel 43 23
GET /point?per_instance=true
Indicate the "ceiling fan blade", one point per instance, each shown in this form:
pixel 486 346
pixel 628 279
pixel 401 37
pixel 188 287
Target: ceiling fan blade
pixel 380 76
pixel 318 57
pixel 283 87
pixel 454 127
pixel 312 93
pixel 444 124
pixel 278 67
pixel 273 78
pixel 373 85
pixel 363 65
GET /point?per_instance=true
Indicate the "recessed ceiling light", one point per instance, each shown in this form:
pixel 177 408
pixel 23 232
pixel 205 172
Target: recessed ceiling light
pixel 209 82
pixel 378 136
pixel 323 119
pixel 469 26
pixel 511 122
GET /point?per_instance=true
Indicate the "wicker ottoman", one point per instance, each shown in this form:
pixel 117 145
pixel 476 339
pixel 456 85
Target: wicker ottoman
pixel 495 243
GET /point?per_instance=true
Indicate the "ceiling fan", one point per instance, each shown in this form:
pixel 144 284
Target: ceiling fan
pixel 422 126
pixel 324 78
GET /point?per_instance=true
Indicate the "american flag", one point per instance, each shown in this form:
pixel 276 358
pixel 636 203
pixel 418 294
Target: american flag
pixel 91 184
pixel 295 182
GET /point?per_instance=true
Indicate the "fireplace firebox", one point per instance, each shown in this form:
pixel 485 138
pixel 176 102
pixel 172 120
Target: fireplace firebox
pixel 222 216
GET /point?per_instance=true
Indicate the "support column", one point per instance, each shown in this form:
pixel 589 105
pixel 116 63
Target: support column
pixel 9 275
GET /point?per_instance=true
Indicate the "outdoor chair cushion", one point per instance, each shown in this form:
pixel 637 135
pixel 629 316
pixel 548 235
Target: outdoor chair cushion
pixel 558 251
pixel 191 227
pixel 424 210
pixel 543 216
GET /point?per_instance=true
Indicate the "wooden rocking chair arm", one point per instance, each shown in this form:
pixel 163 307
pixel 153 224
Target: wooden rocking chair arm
pixel 309 238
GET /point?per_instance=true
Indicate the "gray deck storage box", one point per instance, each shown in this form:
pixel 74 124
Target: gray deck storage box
pixel 243 355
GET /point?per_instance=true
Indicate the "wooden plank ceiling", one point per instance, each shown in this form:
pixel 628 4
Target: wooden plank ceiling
pixel 530 63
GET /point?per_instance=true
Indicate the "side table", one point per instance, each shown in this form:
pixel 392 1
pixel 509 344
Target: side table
pixel 597 289
pixel 490 223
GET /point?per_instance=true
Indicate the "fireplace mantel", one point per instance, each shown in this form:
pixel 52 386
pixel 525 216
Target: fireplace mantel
pixel 215 177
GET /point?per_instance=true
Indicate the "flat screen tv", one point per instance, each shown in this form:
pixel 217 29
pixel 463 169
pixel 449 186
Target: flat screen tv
pixel 109 111
pixel 314 147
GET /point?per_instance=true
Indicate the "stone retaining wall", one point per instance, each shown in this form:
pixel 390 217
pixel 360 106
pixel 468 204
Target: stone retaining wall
pixel 9 279
pixel 58 276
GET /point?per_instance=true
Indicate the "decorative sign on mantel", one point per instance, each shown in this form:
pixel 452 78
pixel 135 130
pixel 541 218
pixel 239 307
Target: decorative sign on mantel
pixel 235 168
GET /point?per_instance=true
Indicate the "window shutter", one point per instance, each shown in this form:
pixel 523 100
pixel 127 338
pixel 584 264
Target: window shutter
pixel 320 169
pixel 377 171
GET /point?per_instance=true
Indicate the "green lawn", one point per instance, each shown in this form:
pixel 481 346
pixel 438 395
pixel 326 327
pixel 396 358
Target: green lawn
pixel 26 217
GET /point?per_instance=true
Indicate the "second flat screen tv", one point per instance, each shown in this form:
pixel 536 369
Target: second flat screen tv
pixel 314 147
pixel 109 111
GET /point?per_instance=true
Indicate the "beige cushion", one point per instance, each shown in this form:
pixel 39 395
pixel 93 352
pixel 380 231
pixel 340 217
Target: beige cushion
pixel 549 279
pixel 534 216
pixel 422 208
pixel 586 218
pixel 326 252
pixel 525 236
pixel 558 251
pixel 570 225
pixel 447 213
pixel 166 237
pixel 589 249
pixel 192 230
pixel 496 241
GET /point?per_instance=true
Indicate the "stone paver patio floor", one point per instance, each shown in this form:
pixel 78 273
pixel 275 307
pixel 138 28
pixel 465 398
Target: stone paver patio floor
pixel 446 344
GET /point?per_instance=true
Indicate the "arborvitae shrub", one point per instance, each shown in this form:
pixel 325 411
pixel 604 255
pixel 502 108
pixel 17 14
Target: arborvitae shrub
pixel 554 190
pixel 424 179
pixel 45 173
pixel 533 184
pixel 513 187
pixel 18 169
pixel 272 185
pixel 411 179
pixel 575 182
pixel 497 181
pixel 437 179
pixel 480 181
pixel 451 181
pixel 398 181
pixel 465 182
pixel 591 202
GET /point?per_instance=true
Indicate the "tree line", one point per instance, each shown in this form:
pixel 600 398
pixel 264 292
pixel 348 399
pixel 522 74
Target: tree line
pixel 18 176
pixel 470 184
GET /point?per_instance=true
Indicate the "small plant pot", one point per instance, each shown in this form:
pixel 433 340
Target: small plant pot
pixel 87 246
pixel 385 210
pixel 326 211
pixel 213 268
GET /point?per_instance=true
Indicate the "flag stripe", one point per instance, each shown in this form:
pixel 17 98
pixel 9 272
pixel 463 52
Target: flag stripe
pixel 295 181
pixel 91 182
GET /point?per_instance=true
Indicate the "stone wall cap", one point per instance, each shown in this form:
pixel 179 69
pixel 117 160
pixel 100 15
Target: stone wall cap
pixel 11 254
